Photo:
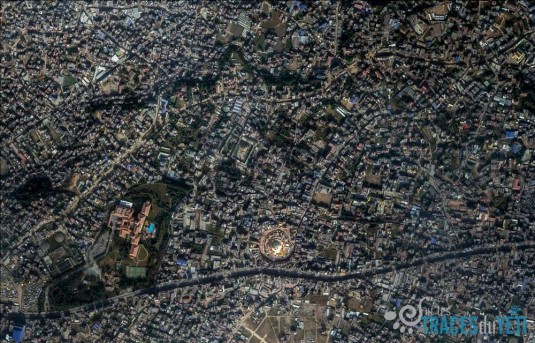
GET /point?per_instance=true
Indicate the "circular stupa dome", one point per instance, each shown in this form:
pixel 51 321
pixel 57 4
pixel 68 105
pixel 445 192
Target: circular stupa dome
pixel 276 246
pixel 59 237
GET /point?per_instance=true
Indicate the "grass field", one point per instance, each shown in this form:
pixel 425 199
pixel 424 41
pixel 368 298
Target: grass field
pixel 136 272
pixel 143 254
pixel 217 235
pixel 4 168
pixel 329 253
pixel 68 81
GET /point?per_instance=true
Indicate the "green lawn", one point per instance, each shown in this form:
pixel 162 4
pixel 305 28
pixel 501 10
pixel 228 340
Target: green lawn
pixel 136 272
pixel 68 81
pixel 329 253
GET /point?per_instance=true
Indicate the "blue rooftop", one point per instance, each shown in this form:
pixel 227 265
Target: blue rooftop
pixel 18 333
pixel 510 134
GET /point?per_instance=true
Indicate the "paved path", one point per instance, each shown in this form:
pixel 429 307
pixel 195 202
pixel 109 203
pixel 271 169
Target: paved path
pixel 274 272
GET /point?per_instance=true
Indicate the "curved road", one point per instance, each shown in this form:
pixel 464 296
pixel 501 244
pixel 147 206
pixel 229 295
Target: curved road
pixel 276 273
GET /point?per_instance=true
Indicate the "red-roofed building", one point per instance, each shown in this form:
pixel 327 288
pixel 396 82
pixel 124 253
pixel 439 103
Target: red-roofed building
pixel 129 227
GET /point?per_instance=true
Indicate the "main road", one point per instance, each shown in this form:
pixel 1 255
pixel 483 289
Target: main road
pixel 275 272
